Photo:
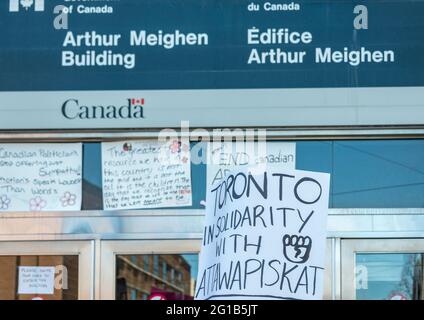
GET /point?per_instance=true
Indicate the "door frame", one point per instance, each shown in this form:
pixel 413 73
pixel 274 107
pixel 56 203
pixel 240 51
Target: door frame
pixel 82 249
pixel 111 248
pixel 350 247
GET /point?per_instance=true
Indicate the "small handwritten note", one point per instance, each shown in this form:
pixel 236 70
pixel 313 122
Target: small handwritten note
pixel 40 177
pixel 36 280
pixel 227 156
pixel 146 174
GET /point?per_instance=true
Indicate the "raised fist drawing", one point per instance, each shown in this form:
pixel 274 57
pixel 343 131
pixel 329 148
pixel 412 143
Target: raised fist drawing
pixel 297 248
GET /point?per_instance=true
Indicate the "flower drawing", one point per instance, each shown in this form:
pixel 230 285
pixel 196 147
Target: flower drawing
pixel 4 202
pixel 127 147
pixel 37 204
pixel 68 199
pixel 175 147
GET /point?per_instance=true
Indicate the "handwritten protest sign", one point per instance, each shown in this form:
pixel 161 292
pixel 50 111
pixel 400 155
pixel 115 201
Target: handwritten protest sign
pixel 40 177
pixel 227 156
pixel 36 280
pixel 146 174
pixel 264 236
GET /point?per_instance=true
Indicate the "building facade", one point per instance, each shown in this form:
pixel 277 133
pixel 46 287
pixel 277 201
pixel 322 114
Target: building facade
pixel 347 94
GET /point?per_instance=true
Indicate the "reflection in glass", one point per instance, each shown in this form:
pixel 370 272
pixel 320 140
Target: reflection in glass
pixel 368 173
pixel 389 276
pixel 137 280
pixel 378 174
pixel 92 198
pixel 364 173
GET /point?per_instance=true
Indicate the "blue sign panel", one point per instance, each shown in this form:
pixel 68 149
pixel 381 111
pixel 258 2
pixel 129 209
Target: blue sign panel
pixel 210 44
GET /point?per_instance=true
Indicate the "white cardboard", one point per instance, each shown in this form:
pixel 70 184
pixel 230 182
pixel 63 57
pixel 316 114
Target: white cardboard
pixel 265 241
pixel 40 177
pixel 36 280
pixel 146 174
pixel 227 156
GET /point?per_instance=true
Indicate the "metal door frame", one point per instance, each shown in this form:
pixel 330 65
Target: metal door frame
pixel 110 249
pixel 83 249
pixel 349 248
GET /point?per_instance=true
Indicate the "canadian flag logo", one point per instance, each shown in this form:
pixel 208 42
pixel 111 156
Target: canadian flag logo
pixel 14 5
pixel 137 102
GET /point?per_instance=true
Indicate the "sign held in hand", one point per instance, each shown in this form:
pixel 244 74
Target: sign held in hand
pixel 264 236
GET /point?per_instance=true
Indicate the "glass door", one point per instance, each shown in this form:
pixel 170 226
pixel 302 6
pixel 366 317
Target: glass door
pixel 383 269
pixel 149 270
pixel 59 270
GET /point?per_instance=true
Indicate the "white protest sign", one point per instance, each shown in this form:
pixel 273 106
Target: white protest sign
pixel 36 280
pixel 264 236
pixel 40 177
pixel 227 156
pixel 146 174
